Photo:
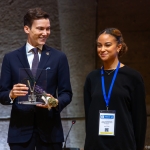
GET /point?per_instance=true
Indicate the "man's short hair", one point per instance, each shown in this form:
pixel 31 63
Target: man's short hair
pixel 34 14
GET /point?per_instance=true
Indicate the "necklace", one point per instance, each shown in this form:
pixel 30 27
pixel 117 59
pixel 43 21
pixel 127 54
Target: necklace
pixel 108 73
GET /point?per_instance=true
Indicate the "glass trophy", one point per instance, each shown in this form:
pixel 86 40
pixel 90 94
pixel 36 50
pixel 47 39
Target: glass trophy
pixel 25 77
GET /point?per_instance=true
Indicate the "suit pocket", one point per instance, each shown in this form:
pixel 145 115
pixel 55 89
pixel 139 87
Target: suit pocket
pixel 13 131
pixel 27 130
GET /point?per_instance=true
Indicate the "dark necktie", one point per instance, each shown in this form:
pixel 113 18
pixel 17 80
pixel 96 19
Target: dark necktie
pixel 35 61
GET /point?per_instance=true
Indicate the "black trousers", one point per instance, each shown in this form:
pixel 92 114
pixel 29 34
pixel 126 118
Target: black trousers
pixel 35 143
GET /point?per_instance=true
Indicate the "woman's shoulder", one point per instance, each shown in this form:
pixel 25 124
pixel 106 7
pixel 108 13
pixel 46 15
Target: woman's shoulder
pixel 92 77
pixel 130 72
pixel 93 73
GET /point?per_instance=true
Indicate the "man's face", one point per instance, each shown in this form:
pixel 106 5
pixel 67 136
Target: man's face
pixel 38 32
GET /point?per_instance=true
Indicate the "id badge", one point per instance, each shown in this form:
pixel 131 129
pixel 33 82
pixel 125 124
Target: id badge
pixel 107 122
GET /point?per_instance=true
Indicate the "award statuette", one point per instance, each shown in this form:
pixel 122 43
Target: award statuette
pixel 49 100
pixel 32 96
pixel 26 77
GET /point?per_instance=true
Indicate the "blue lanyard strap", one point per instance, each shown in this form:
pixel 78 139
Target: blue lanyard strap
pixel 107 98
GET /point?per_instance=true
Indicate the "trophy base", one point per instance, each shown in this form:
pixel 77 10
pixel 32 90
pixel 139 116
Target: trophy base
pixel 30 103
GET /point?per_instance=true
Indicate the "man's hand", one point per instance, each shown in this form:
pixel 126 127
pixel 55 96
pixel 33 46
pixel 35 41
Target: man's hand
pixel 43 106
pixel 49 106
pixel 18 90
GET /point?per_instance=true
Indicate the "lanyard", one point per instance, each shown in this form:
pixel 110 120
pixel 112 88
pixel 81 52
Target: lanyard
pixel 107 98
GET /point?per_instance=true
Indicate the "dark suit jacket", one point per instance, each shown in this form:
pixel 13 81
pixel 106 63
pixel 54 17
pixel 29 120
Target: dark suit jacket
pixel 24 117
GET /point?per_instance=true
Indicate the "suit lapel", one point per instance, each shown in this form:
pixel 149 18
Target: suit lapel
pixel 24 61
pixel 45 55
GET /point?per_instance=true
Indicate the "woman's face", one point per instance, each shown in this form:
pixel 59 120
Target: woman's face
pixel 107 47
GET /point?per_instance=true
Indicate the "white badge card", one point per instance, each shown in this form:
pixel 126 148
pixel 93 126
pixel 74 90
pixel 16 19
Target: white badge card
pixel 107 122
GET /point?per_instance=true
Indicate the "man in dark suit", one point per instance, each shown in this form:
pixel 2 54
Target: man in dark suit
pixel 35 126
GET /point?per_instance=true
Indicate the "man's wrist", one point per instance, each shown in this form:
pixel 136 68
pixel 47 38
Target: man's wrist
pixel 12 99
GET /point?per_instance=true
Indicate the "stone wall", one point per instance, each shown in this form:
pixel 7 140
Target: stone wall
pixel 77 41
pixel 74 26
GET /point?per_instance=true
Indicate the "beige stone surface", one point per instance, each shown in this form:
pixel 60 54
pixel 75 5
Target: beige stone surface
pixel 76 136
pixel 3 135
pixel 74 26
pixel 77 28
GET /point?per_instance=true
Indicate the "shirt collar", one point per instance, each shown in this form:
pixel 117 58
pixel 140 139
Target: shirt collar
pixel 29 47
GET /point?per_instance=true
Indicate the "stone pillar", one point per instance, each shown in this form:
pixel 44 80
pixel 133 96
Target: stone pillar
pixel 77 32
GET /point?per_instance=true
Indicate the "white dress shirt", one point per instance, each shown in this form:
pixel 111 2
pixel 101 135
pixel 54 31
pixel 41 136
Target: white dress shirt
pixel 30 54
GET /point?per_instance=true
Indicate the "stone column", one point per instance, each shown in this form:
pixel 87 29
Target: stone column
pixel 77 21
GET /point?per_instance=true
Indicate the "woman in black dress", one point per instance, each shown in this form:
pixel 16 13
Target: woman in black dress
pixel 114 99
